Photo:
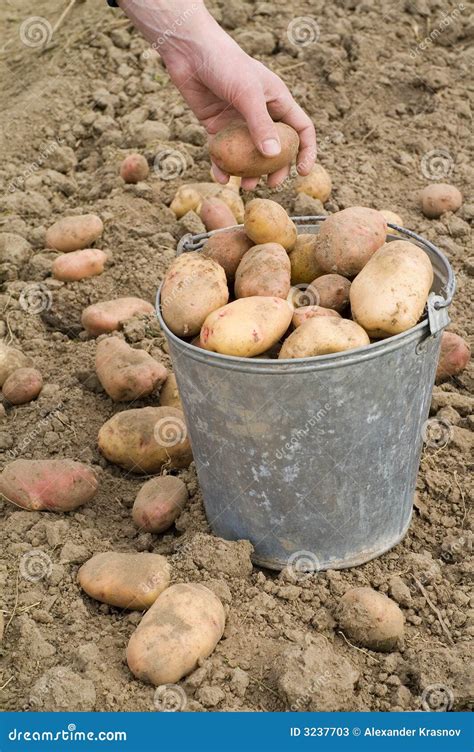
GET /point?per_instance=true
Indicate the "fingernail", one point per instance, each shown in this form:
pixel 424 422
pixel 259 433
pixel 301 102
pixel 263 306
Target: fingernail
pixel 271 147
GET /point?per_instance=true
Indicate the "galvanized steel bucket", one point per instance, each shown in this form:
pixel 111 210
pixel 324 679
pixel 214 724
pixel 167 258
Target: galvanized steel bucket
pixel 313 460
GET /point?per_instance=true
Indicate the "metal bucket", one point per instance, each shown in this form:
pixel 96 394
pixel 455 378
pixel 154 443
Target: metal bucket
pixel 313 460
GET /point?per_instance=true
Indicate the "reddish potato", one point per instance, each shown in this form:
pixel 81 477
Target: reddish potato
pixel 453 358
pixel 234 152
pixel 105 317
pixel 331 291
pixel 53 485
pixel 10 360
pixel 370 619
pixel 125 373
pixel 77 265
pixel 23 386
pixel 227 249
pixel 169 395
pixel 349 238
pixel 438 198
pixel 310 312
pixel 74 233
pixel 159 502
pixel 264 270
pixel 216 214
pixel 134 168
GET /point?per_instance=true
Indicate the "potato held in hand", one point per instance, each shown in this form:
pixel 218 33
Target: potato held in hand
pixel 348 239
pixel 246 327
pixel 266 221
pixel 158 503
pixel 323 335
pixel 264 270
pixel 193 287
pixel 227 248
pixel 74 233
pixel 125 373
pixel 182 628
pixel 453 358
pixel 106 317
pixel 125 580
pixel 389 295
pixel 53 485
pixel 233 151
pixel 370 619
pixel 143 440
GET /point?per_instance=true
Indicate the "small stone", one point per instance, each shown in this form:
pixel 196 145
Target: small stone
pixel 61 689
pixel 215 554
pixel 210 696
pixel 189 223
pixel 305 205
pixel 149 132
pixel 193 134
pixel 400 591
pixel 62 159
pixel 239 681
pixel 73 553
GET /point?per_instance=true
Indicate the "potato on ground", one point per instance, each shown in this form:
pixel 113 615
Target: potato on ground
pixel 193 287
pixel 227 249
pixel 216 214
pixel 190 197
pixel 317 184
pixel 180 630
pixel 264 270
pixel 74 233
pixel 438 198
pixel 125 580
pixel 106 317
pixel 304 261
pixel 389 295
pixel 370 619
pixel 454 356
pixel 392 217
pixel 234 152
pixel 53 485
pixel 348 239
pixel 77 265
pixel 125 373
pixel 169 394
pixel 265 221
pixel 23 385
pixel 246 327
pixel 331 291
pixel 158 503
pixel 186 199
pixel 323 335
pixel 144 439
pixel 310 312
pixel 10 360
pixel 134 168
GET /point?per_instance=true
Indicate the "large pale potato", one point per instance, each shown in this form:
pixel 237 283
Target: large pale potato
pixel 317 184
pixel 305 266
pixel 125 580
pixel 54 485
pixel 348 239
pixel 234 152
pixel 246 327
pixel 125 373
pixel 193 287
pixel 76 265
pixel 264 270
pixel 74 233
pixel 109 315
pixel 310 312
pixel 265 221
pixel 158 503
pixel 144 439
pixel 390 293
pixel 227 248
pixel 323 335
pixel 370 619
pixel 180 629
pixel 10 360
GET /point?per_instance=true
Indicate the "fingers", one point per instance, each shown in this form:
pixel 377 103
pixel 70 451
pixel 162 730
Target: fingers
pixel 248 184
pixel 219 175
pixel 278 177
pixel 252 106
pixel 283 107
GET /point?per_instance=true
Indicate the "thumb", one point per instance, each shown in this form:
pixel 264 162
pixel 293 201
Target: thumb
pixel 262 128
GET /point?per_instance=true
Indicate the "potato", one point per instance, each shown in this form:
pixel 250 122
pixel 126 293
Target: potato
pixel 125 373
pixel 227 248
pixel 144 439
pixel 125 580
pixel 105 317
pixel 23 385
pixel 158 503
pixel 74 233
pixel 10 360
pixel 180 630
pixel 390 293
pixel 264 270
pixel 305 266
pixel 216 214
pixel 265 221
pixel 186 199
pixel 348 239
pixel 438 198
pixel 234 152
pixel 134 168
pixel 323 335
pixel 234 182
pixel 317 184
pixel 233 201
pixel 331 291
pixel 190 197
pixel 77 265
pixel 390 216
pixel 169 395
pixel 310 312
pixel 454 356
pixel 370 619
pixel 193 287
pixel 246 327
pixel 54 485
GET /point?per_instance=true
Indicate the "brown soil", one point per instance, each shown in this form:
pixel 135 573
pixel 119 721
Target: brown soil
pixel 380 113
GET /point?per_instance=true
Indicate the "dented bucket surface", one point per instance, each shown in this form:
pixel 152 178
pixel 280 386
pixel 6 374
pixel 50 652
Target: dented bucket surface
pixel 313 460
